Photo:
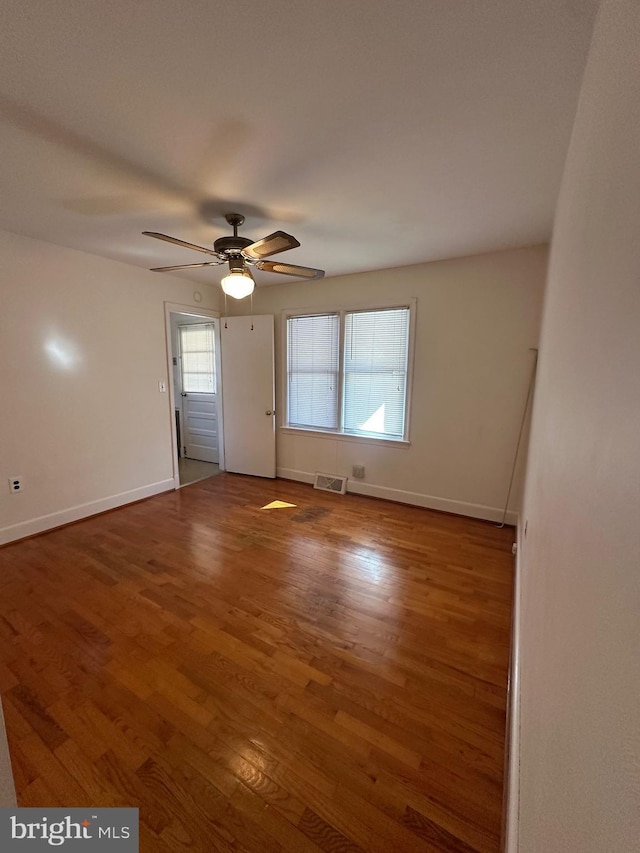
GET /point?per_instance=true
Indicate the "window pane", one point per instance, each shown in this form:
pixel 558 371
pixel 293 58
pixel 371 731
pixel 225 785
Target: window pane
pixel 197 352
pixel 312 370
pixel 375 371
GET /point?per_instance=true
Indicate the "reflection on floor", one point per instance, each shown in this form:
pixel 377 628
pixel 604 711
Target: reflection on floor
pixel 192 470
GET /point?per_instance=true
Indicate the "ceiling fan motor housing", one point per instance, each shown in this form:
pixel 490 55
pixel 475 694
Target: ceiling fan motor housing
pixel 231 245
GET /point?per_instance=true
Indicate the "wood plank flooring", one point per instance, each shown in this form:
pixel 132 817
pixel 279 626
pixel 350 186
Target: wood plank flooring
pixel 325 678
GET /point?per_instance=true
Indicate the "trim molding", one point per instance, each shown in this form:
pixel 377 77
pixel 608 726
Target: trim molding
pixel 511 806
pixel 487 513
pixel 75 513
pixel 345 436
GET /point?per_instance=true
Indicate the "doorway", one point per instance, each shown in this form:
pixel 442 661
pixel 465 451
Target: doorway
pixel 193 347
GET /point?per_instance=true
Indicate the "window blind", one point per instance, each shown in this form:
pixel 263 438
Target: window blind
pixel 313 345
pixel 375 372
pixel 197 352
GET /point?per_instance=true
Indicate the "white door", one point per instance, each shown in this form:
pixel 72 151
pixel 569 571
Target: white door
pixel 248 395
pixel 200 423
pixel 198 384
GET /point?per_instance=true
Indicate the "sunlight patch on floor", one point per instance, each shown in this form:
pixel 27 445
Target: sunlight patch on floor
pixel 277 505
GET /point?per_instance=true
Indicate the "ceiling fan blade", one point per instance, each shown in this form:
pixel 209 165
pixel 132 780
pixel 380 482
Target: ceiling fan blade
pixel 186 266
pixel 271 245
pixel 289 269
pixel 179 242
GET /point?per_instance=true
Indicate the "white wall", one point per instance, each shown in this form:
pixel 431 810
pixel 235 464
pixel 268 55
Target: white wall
pixel 82 344
pixel 580 561
pixel 476 319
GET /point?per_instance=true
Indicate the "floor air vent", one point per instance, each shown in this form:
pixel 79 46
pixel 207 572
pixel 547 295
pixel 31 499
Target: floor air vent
pixel 330 483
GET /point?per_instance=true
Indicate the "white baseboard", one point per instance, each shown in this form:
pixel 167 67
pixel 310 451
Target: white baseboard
pixel 357 487
pixel 512 774
pixel 298 476
pixel 75 513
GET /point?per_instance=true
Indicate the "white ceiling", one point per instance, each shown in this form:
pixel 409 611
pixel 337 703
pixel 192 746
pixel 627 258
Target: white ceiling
pixel 379 134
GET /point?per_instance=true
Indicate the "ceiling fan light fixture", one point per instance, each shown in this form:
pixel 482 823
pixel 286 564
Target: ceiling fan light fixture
pixel 238 283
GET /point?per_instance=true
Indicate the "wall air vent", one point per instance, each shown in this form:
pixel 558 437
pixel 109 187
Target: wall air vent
pixel 330 483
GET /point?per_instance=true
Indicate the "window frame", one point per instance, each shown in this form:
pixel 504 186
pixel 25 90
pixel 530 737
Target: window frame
pixel 341 311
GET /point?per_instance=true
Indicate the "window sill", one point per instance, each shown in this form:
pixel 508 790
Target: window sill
pixel 344 436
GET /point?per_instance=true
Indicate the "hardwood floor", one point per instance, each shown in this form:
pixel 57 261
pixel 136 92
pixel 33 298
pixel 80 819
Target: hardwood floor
pixel 330 677
pixel 193 470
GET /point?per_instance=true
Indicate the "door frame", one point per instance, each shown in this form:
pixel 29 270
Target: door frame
pixel 171 308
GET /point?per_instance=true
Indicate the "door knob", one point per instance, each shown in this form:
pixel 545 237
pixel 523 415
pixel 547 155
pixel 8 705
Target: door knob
pixel 269 412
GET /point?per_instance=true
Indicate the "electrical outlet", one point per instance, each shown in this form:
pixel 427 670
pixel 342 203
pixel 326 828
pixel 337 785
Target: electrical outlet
pixel 358 472
pixel 15 484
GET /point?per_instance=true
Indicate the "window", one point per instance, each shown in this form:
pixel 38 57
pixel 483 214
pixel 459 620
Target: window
pixel 196 350
pixel 313 345
pixel 347 372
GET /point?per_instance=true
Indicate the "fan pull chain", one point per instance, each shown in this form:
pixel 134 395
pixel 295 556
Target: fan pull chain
pixel 252 311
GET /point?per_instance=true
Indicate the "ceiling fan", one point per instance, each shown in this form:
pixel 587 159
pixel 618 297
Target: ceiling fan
pixel 241 254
